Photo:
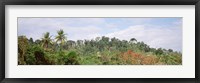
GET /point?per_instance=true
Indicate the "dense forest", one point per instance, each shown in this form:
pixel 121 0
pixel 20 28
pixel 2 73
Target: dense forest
pixel 99 51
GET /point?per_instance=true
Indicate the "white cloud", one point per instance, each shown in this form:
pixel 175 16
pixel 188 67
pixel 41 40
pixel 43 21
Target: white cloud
pixel 86 28
pixel 169 38
pixel 138 20
pixel 86 32
pixel 35 27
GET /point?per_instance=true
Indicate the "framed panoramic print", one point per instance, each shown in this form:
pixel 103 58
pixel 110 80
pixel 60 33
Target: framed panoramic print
pixel 99 41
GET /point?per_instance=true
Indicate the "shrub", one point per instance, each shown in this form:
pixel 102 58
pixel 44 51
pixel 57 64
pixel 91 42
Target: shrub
pixel 71 58
pixel 22 47
pixel 30 58
pixel 40 56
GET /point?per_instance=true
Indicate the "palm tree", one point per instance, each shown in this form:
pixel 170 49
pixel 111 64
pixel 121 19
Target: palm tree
pixel 60 38
pixel 46 40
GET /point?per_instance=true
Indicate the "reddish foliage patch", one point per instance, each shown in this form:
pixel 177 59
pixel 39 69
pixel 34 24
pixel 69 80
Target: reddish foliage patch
pixel 136 58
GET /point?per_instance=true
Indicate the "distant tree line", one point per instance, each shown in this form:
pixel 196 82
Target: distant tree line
pixel 99 51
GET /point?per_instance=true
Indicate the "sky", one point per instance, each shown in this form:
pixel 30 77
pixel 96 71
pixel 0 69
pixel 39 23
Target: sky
pixel 156 32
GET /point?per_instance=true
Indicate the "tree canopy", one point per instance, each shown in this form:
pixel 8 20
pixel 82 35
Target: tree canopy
pixel 98 51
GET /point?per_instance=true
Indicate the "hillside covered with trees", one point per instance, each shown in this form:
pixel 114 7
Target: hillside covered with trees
pixel 99 51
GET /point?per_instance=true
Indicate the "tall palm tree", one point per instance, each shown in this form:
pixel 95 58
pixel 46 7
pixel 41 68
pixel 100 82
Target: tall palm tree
pixel 60 38
pixel 46 40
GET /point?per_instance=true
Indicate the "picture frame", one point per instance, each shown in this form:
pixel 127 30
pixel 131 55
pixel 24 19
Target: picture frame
pixel 98 2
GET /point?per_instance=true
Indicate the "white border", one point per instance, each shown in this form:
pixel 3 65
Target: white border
pixel 187 70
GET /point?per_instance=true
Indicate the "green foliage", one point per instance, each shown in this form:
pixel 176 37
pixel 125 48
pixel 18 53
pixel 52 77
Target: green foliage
pixel 159 51
pixel 71 58
pixel 30 57
pixel 22 47
pixel 99 51
pixel 39 56
pixel 173 59
pixel 46 40
pixel 60 38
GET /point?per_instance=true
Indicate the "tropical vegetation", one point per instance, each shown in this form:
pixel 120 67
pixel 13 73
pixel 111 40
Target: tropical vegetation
pixel 99 51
